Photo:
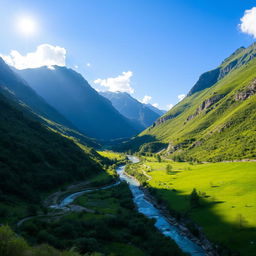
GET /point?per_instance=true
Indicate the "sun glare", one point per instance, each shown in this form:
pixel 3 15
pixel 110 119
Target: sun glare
pixel 26 25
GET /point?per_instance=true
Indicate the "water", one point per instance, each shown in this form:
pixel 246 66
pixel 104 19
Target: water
pixel 71 198
pixel 148 209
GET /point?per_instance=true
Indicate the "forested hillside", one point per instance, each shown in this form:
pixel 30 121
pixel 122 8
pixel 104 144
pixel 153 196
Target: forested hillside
pixel 35 160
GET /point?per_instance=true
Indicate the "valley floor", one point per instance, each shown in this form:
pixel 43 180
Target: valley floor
pixel 226 210
pixel 102 221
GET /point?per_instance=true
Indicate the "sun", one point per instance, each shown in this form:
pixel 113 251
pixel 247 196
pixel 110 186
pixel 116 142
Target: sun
pixel 26 25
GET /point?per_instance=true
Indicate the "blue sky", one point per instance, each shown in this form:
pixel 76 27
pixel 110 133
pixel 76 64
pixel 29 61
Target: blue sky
pixel 157 47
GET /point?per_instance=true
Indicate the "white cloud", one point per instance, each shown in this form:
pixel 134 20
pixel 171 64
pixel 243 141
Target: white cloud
pixel 121 83
pixel 156 105
pixel 76 67
pixel 169 106
pixel 88 64
pixel 181 97
pixel 248 22
pixel 51 67
pixel 146 99
pixel 45 55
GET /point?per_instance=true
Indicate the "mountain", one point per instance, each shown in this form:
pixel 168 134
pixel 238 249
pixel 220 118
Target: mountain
pixel 139 113
pixel 35 160
pixel 160 112
pixel 69 93
pixel 217 119
pixel 14 85
pixel 17 89
pixel 240 57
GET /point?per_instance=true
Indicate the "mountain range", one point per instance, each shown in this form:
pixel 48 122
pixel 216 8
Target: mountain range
pixel 72 96
pixel 142 115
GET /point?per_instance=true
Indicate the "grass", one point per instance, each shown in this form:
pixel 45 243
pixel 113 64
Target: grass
pixel 99 201
pixel 227 210
pixel 224 131
pixel 112 155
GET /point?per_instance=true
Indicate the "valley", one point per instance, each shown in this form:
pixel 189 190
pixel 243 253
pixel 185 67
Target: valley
pixel 225 208
pixel 109 213
pixel 122 148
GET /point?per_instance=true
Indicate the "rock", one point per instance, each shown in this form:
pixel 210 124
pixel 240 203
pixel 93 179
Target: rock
pixel 247 92
pixel 206 105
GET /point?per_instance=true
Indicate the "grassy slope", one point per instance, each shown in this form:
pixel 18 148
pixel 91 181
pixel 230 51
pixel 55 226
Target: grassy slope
pixel 228 198
pixel 238 118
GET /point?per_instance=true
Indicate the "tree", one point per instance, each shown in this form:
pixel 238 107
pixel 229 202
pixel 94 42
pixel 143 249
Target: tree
pixel 158 158
pixel 194 199
pixel 11 244
pixel 169 169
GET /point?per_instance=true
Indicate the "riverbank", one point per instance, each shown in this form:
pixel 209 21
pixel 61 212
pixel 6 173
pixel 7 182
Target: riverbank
pixel 227 199
pixel 112 226
pixel 201 241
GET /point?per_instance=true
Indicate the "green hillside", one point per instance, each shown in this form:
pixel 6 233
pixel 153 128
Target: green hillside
pixel 35 160
pixel 211 124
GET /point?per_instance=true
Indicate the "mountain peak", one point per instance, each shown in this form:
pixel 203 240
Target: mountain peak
pixel 68 92
pixel 238 58
pixel 131 108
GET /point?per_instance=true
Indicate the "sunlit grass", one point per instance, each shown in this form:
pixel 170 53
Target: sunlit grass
pixel 112 155
pixel 228 197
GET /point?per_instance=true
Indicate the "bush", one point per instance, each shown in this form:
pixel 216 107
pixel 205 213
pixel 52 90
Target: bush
pixel 10 244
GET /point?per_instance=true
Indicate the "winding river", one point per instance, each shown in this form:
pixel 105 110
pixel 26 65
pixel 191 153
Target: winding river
pixel 145 207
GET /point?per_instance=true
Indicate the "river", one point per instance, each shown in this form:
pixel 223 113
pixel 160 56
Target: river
pixel 145 207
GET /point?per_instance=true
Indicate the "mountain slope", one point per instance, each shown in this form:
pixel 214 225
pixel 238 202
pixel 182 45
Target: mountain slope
pixel 214 122
pixel 240 57
pixel 35 160
pixel 132 108
pixel 73 97
pixel 17 89
pixel 160 112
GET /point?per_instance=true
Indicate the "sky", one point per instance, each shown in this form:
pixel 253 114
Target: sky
pixel 153 49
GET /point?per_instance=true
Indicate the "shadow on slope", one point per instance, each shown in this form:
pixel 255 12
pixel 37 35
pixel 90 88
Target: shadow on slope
pixel 132 145
pixel 231 238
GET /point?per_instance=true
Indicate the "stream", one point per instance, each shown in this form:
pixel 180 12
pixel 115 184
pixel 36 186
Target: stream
pixel 145 207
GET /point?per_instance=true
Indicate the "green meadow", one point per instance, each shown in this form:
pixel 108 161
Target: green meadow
pixel 227 206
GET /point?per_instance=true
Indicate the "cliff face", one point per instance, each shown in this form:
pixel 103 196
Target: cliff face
pixel 164 119
pixel 206 105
